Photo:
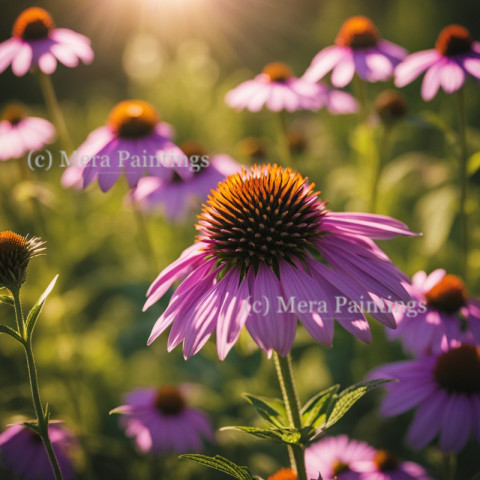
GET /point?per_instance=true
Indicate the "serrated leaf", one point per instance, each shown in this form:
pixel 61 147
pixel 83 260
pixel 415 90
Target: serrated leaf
pixel 37 308
pixel 290 436
pixel 271 409
pixel 11 332
pixel 314 412
pixel 346 399
pixel 7 300
pixel 222 464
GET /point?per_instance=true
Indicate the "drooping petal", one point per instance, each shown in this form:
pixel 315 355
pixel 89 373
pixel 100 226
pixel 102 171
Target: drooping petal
pixel 233 313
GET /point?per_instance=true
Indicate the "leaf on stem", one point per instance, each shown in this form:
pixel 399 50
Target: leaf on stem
pixel 345 400
pixel 11 332
pixel 7 300
pixel 222 464
pixel 314 413
pixel 271 409
pixel 290 436
pixel 37 308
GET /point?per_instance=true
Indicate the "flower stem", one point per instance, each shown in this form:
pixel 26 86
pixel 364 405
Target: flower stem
pixel 144 235
pixel 462 129
pixel 382 151
pixel 283 138
pixel 55 110
pixel 449 463
pixel 361 97
pixel 283 366
pixel 42 415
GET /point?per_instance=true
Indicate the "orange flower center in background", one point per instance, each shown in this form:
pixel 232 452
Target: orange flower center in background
pixel 358 32
pixel 453 40
pixel 14 114
pixel 284 474
pixel 458 370
pixel 133 119
pixel 385 461
pixel 34 23
pixel 339 467
pixel 277 72
pixel 261 217
pixel 169 400
pixel 10 242
pixel 448 295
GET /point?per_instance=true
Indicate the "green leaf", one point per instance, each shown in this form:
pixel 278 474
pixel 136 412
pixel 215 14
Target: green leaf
pixel 271 409
pixel 473 167
pixel 37 308
pixel 32 426
pixel 314 413
pixel 290 436
pixel 11 332
pixel 222 464
pixel 346 399
pixel 6 300
pixel 437 222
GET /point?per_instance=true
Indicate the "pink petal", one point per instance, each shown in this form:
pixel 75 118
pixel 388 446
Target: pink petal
pixel 452 77
pixel 414 65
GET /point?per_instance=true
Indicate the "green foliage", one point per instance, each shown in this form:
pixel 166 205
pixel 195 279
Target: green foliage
pixel 221 464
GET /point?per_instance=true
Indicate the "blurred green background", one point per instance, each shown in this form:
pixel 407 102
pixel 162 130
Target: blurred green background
pixel 183 56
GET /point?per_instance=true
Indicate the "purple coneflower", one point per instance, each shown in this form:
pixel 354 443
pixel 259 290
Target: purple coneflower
pixel 265 241
pixel 278 89
pixel 162 423
pixel 20 134
pixel 441 312
pixel 134 141
pixel 358 49
pixel 386 466
pixel 36 42
pixel 455 54
pixel 23 453
pixel 177 196
pixel 334 457
pixel 444 388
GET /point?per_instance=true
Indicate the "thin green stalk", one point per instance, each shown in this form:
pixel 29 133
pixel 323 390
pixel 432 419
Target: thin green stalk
pixel 462 128
pixel 361 97
pixel 290 397
pixel 55 110
pixel 449 464
pixel 283 138
pixel 42 416
pixel 380 163
pixel 144 235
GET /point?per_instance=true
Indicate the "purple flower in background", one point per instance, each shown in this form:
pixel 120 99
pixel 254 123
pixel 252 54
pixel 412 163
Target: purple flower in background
pixel 134 141
pixel 162 423
pixel 177 197
pixel 441 312
pixel 278 89
pixel 455 55
pixel 445 389
pixel 358 49
pixel 20 134
pixel 386 466
pixel 266 240
pixel 22 452
pixel 334 457
pixel 36 42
